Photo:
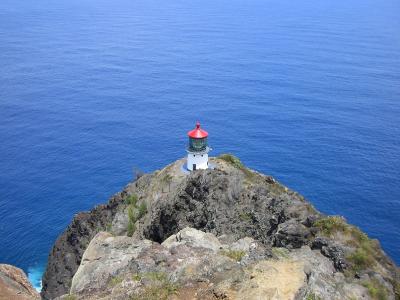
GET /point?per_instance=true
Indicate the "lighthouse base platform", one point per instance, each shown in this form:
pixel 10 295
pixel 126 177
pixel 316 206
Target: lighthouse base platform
pixel 185 170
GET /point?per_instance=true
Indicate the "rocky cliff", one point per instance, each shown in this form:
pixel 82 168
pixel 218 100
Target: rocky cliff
pixel 15 285
pixel 226 233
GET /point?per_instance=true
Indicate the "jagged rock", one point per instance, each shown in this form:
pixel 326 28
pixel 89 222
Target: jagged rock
pixel 15 285
pixel 322 280
pixel 332 251
pixel 319 242
pixel 291 234
pixel 246 244
pixel 193 238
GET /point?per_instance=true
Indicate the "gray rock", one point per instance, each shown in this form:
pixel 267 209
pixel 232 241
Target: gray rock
pixel 331 250
pixel 193 238
pixel 322 280
pixel 104 259
pixel 291 234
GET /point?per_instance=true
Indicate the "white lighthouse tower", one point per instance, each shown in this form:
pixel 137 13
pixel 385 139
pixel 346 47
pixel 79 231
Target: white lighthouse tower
pixel 198 149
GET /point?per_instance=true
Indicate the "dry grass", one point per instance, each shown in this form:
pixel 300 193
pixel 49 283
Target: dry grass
pixel 115 281
pixel 234 254
pixel 160 288
pixel 235 162
pixel 245 216
pixel 332 224
pixel 366 251
pixel 280 252
pixel 376 290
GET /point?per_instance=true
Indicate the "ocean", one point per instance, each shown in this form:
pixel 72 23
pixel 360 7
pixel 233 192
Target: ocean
pixel 90 90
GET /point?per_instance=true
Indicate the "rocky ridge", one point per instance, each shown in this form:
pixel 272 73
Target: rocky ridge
pixel 227 233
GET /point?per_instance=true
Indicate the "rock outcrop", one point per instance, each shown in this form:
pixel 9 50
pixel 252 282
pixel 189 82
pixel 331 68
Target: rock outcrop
pixel 215 234
pixel 189 264
pixel 65 257
pixel 15 285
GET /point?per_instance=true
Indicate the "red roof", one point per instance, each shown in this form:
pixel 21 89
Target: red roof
pixel 197 133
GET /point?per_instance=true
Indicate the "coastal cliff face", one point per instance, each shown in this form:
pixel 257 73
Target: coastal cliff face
pixel 65 257
pixel 15 285
pixel 227 233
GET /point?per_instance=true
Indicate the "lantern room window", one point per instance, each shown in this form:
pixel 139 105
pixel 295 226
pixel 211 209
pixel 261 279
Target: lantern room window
pixel 197 144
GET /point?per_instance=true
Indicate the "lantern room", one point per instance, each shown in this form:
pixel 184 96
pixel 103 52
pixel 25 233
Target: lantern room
pixel 197 149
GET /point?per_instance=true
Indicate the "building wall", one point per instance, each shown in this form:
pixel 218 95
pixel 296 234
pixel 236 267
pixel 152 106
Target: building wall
pixel 201 161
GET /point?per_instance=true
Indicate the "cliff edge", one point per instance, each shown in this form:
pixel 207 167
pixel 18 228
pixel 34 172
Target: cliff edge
pixel 15 285
pixel 226 233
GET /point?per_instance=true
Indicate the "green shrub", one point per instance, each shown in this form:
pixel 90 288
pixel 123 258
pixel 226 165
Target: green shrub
pixel 376 290
pixel 366 253
pixel 235 162
pixel 131 228
pixel 115 281
pixel 156 276
pixel 134 213
pixel 361 259
pixel 359 236
pixel 70 297
pixel 312 296
pixel 234 254
pixel 277 188
pixel 161 288
pixel 136 277
pixel 157 292
pixel 131 200
pixel 366 250
pixel 331 224
pixel 142 210
pixel 108 227
pixel 245 216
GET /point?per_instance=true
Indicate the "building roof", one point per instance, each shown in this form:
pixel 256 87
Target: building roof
pixel 197 133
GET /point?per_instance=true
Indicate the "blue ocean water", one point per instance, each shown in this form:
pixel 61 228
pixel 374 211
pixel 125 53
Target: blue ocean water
pixel 306 91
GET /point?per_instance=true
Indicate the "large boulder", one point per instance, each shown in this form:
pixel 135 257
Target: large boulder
pixel 331 250
pixel 105 258
pixel 193 238
pixel 291 234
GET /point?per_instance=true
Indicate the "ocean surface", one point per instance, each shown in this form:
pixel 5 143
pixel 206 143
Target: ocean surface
pixel 307 91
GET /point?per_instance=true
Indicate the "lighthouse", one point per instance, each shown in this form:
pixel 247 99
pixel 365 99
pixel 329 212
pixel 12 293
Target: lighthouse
pixel 198 149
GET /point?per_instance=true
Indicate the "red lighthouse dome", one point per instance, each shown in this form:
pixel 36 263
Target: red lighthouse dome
pixel 197 133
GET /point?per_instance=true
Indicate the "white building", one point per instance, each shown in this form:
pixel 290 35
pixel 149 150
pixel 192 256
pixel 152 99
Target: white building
pixel 198 149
